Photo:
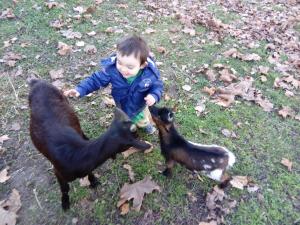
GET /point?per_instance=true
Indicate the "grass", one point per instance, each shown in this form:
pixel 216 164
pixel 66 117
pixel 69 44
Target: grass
pixel 263 138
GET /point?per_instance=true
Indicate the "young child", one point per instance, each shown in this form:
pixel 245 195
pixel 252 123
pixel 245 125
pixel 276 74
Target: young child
pixel 135 81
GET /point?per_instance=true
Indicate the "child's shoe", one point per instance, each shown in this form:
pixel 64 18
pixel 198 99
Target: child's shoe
pixel 150 129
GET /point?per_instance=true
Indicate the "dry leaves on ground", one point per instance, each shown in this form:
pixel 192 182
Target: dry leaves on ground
pixel 218 205
pixel 9 208
pixel 286 111
pixel 64 49
pixel 132 150
pixel 56 74
pixel 239 182
pixel 4 138
pixel 136 192
pixel 84 182
pixel 287 163
pixel 4 175
pixel 130 172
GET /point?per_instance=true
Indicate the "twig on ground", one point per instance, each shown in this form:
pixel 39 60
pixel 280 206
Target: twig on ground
pixel 36 198
pixel 16 95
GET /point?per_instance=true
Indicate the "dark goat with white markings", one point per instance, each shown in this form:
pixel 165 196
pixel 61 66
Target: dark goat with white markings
pixel 212 160
pixel 56 133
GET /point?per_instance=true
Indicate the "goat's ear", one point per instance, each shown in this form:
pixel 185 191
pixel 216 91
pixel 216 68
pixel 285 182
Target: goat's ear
pixel 120 115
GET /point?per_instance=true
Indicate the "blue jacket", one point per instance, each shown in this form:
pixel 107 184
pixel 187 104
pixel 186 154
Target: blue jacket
pixel 130 97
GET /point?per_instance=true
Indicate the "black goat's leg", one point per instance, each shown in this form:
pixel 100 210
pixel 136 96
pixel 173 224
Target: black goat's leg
pixel 167 172
pixel 93 180
pixel 64 187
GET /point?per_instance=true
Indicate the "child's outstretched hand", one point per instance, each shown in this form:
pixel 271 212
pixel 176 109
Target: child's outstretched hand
pixel 150 100
pixel 71 93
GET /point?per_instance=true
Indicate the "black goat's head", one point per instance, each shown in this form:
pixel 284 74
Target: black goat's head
pixel 163 117
pixel 126 131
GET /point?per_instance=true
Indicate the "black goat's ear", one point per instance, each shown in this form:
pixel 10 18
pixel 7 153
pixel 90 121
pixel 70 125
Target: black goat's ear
pixel 120 115
pixel 170 117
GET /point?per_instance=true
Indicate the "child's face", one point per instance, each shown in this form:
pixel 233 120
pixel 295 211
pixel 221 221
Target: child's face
pixel 129 65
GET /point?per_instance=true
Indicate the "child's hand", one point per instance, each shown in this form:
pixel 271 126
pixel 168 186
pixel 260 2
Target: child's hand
pixel 71 93
pixel 150 100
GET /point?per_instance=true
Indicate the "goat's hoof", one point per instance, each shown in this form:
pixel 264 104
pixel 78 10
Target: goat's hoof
pixel 94 184
pixel 167 173
pixel 65 206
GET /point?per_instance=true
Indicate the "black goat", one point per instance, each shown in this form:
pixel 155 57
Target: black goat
pixel 212 160
pixel 56 133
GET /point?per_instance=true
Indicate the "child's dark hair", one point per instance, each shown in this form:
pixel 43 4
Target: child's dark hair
pixel 134 44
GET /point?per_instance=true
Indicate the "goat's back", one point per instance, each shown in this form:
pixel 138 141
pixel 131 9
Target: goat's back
pixel 50 117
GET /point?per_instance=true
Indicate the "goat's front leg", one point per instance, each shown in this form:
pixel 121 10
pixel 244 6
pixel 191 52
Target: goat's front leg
pixel 64 187
pixel 93 180
pixel 170 164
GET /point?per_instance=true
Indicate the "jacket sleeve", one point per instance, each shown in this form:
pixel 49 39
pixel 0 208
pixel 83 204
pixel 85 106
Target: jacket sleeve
pixel 156 90
pixel 96 81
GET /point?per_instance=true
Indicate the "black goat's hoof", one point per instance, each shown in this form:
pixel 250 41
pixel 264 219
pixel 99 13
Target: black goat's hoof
pixel 65 205
pixel 167 173
pixel 94 184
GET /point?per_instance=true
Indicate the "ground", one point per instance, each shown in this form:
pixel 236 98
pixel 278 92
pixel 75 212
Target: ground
pixel 183 42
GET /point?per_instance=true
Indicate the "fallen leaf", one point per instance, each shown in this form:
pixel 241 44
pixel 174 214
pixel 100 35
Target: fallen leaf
pixel 209 91
pixel 51 5
pixel 92 33
pixel 209 223
pixel 150 31
pixel 136 192
pixel 239 182
pixel 70 34
pixel 227 76
pixel 8 14
pixel 263 78
pixel 200 108
pixel 251 57
pixel 210 75
pixel 84 182
pixel 13 203
pixel 263 70
pixel 64 49
pixel 3 175
pixel 161 50
pixel 80 43
pixel 79 9
pixel 186 87
pixel 287 163
pixel 59 84
pixel 130 172
pixel 252 188
pixel 4 138
pixel 191 196
pixel 109 102
pixel 15 126
pixel 129 152
pixel 90 49
pixel 286 111
pixel 7 217
pixel 226 132
pixel 124 209
pixel 189 31
pixel 56 74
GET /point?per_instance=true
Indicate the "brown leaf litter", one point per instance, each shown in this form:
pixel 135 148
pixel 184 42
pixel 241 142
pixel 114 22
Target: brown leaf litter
pixel 136 192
